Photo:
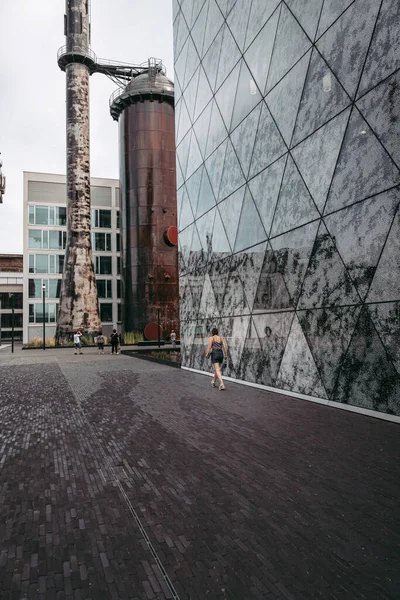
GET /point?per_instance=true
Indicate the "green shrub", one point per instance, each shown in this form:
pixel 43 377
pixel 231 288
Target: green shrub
pixel 133 337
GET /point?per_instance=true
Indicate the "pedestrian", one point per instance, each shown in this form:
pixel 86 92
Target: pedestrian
pixel 100 343
pixel 114 342
pixel 218 351
pixel 173 338
pixel 77 342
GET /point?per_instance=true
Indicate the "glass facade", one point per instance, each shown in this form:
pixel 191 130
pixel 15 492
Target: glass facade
pixel 288 172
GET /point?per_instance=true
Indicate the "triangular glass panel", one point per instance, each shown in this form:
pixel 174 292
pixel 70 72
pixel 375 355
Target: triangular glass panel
pixel 363 169
pixel 384 53
pixel 234 330
pixel 205 226
pixel 265 189
pixel 271 292
pixel 176 31
pixel 238 19
pixel 385 317
pixel 182 152
pixel 196 256
pixel 217 131
pixel 347 41
pixel 175 10
pixel 327 282
pixel 191 93
pixel 250 229
pixel 292 253
pixel 206 196
pixel 283 101
pixel 368 378
pixel 196 282
pixel 290 45
pixel 220 244
pixel 298 372
pixel 381 109
pixel 214 165
pixel 260 13
pixel 316 157
pixel 328 332
pixel 331 11
pixel 208 305
pixel 307 12
pixel 323 98
pixel 201 127
pixel 187 9
pixel 199 29
pixel 182 34
pixel 248 266
pixel 179 199
pixel 360 233
pixel 198 5
pixel 193 187
pixel 219 274
pixel 224 6
pixel 180 66
pixel 235 301
pixel 229 56
pixel 188 329
pixel 204 94
pixel 273 331
pixel 185 243
pixel 247 96
pixel 232 176
pixel 253 365
pixel 184 121
pixel 243 138
pixel 269 144
pixel 225 97
pixel 186 301
pixel 230 210
pixel 295 206
pixel 192 61
pixel 211 59
pixel 186 216
pixel 386 283
pixel 177 90
pixel 194 159
pixel 258 55
pixel 214 22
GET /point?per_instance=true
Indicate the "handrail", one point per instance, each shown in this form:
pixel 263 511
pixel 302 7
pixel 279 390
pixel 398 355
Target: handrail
pixel 79 50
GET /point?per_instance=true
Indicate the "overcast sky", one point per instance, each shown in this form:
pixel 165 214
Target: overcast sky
pixel 32 88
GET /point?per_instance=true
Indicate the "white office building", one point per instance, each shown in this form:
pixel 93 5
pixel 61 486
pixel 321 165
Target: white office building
pixel 45 232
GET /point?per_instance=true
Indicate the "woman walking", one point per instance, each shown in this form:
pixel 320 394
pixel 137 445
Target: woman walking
pixel 218 351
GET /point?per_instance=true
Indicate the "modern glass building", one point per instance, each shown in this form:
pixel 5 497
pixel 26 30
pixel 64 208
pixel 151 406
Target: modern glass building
pixel 288 148
pixel 45 231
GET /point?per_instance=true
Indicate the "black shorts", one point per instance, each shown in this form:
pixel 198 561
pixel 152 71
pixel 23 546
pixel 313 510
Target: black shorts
pixel 217 357
pixel 100 345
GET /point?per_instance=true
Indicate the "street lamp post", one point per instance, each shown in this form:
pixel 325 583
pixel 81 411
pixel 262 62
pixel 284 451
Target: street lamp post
pixel 44 320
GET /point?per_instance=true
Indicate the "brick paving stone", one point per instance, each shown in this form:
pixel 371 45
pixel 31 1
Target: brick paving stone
pixel 244 495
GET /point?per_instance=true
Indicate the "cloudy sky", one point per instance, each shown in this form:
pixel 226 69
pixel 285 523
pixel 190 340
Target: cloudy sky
pixel 32 88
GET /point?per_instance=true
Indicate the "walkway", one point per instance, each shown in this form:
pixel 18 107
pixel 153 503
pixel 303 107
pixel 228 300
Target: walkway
pixel 125 479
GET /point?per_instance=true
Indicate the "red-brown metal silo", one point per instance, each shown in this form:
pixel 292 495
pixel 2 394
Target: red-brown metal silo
pixel 149 255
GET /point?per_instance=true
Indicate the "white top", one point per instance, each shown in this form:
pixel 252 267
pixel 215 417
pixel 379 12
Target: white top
pixel 173 336
pixel 77 338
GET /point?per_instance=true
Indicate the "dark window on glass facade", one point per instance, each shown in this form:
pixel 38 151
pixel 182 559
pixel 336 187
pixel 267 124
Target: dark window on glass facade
pixel 118 265
pixel 101 218
pixel 118 242
pixel 6 320
pixel 106 313
pixel 119 312
pixel 118 288
pixel 118 220
pixel 52 288
pixel 10 300
pixel 101 242
pixel 104 288
pixel 103 265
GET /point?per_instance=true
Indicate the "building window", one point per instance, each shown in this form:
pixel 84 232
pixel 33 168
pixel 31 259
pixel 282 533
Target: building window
pixel 118 220
pixel 118 242
pixel 101 242
pixel 36 313
pixel 119 313
pixel 118 265
pixel 104 288
pixel 10 300
pixel 44 239
pixel 118 288
pixel 106 313
pixel 45 263
pixel 101 218
pixel 102 265
pixel 52 288
pixel 6 320
pixel 47 215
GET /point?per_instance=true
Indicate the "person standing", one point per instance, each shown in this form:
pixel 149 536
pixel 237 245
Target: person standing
pixel 114 342
pixel 173 338
pixel 100 343
pixel 77 342
pixel 218 351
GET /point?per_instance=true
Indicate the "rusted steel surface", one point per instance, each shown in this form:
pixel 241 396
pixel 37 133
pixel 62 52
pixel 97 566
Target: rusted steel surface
pixel 148 210
pixel 78 299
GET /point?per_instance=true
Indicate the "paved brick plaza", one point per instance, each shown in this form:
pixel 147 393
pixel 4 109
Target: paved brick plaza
pixel 122 478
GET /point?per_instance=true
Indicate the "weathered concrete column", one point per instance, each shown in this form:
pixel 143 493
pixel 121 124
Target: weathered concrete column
pixel 78 300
